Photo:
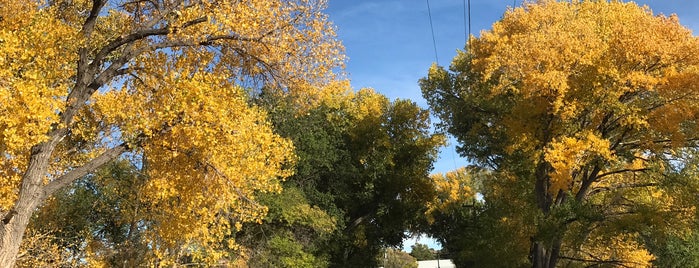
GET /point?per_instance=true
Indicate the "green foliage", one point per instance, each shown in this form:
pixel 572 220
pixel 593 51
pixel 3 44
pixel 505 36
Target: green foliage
pixel 290 234
pixel 363 160
pixel 398 259
pixel 482 233
pixel 421 252
pixel 99 215
pixel 676 251
pixel 584 113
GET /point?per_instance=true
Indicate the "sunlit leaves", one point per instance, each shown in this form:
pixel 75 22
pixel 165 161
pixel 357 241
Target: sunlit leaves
pixel 169 82
pixel 592 103
pixel 568 155
pixel 225 148
pixel 453 190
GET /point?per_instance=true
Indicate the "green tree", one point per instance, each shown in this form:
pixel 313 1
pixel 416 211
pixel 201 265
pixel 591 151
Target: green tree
pixel 398 259
pixel 487 232
pixel 586 112
pixel 363 160
pixel 675 250
pixel 421 252
pixel 291 234
pixel 100 218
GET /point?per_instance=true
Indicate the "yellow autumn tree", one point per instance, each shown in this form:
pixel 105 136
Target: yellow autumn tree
pixel 453 188
pixel 163 83
pixel 593 105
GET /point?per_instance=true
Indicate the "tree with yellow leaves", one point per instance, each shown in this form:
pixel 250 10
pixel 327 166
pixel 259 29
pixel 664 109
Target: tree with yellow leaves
pixel 162 83
pixel 593 106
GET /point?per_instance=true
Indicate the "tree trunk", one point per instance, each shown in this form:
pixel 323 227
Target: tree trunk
pixel 12 232
pixel 545 256
pixel 31 194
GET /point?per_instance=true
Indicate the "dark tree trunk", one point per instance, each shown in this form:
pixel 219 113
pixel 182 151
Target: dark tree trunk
pixel 544 254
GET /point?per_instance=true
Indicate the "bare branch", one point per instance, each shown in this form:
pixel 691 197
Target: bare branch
pixel 74 174
pixel 621 171
pixel 130 38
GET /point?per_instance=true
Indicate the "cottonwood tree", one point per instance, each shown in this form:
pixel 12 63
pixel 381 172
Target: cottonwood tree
pixel 590 105
pixel 489 231
pixel 365 161
pixel 85 82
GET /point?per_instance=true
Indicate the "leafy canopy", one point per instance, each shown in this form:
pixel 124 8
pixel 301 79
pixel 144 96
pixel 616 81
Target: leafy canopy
pixel 166 84
pixel 592 106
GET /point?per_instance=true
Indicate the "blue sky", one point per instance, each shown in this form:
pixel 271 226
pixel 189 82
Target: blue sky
pixel 389 43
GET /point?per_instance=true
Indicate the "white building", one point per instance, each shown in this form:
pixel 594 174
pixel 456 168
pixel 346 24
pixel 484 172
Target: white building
pixel 436 264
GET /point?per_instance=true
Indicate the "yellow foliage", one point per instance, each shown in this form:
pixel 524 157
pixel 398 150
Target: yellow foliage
pixel 591 58
pixel 168 82
pixel 623 249
pixel 566 155
pixel 41 250
pixel 592 105
pixel 453 189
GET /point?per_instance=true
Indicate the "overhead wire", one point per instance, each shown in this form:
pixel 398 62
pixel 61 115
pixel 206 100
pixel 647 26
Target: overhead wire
pixel 434 41
pixel 468 37
pixel 465 24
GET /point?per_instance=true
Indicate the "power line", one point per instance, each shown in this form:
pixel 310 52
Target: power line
pixel 469 27
pixel 466 28
pixel 434 41
pixel 467 23
pixel 469 18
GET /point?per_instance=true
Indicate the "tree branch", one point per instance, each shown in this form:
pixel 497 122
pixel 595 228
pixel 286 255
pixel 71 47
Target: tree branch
pixel 89 24
pixel 621 171
pixel 74 174
pixel 615 262
pixel 130 38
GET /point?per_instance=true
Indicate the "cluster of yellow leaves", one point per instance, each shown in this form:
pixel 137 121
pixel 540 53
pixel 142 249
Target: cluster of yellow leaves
pixel 566 155
pixel 41 250
pixel 453 189
pixel 623 249
pixel 180 102
pixel 35 70
pixel 208 154
pixel 591 58
pixel 266 38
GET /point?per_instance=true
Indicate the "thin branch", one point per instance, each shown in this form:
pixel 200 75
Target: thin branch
pixel 638 142
pixel 99 161
pixel 621 171
pixel 592 260
pixel 85 169
pixel 623 186
pixel 237 190
pixel 130 38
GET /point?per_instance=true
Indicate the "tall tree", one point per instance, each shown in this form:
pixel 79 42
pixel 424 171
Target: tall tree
pixel 84 82
pixel 365 161
pixel 489 231
pixel 421 252
pixel 591 106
